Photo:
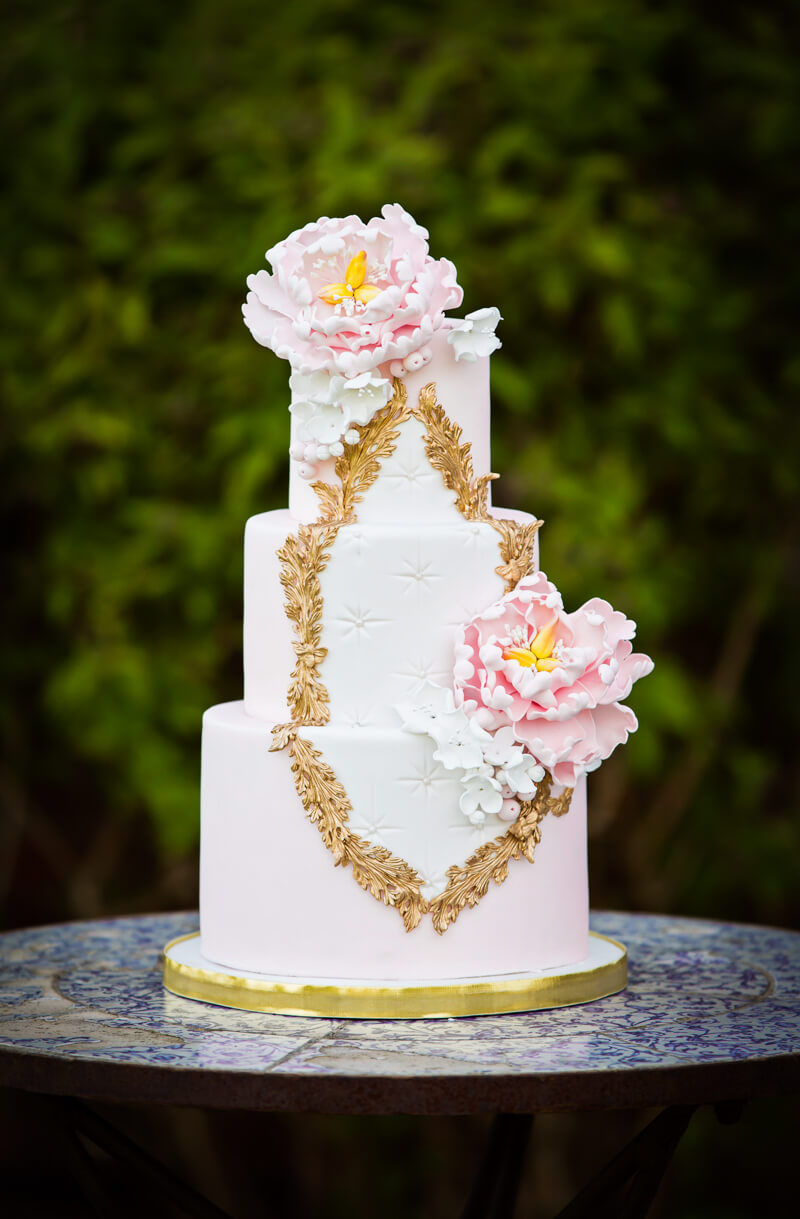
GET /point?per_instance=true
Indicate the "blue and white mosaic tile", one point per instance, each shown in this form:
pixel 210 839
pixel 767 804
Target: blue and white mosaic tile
pixel 699 993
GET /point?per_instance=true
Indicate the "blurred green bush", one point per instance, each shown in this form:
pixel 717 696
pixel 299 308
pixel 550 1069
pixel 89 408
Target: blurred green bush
pixel 620 178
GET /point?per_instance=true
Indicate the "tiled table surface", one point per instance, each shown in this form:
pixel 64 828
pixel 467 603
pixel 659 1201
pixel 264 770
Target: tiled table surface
pixel 712 1012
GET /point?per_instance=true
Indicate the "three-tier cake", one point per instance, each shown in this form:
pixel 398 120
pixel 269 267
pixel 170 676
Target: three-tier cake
pixel 399 801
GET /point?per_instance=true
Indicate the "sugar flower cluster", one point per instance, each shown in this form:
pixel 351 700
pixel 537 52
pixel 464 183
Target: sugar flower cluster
pixel 535 690
pixel 495 771
pixel 350 306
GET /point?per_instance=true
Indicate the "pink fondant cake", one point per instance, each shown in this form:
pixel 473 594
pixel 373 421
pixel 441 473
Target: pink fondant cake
pixel 401 793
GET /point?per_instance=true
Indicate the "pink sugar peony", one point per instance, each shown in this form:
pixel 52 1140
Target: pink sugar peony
pixel 326 307
pixel 557 678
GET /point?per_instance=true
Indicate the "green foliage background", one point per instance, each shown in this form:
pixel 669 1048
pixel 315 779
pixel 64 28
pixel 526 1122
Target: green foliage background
pixel 620 179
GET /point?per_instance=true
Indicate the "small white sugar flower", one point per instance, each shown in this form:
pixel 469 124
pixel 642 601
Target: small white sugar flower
pixel 360 397
pixel 461 749
pixel 475 337
pixel 503 749
pixel 322 422
pixel 522 777
pixel 434 714
pixel 481 795
pixel 314 387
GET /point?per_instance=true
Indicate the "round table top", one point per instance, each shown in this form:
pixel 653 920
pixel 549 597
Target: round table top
pixel 711 1012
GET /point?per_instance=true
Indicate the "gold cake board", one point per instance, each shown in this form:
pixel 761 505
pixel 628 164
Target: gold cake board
pixel 192 976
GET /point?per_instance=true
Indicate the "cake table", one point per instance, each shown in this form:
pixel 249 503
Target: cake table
pixel 711 1015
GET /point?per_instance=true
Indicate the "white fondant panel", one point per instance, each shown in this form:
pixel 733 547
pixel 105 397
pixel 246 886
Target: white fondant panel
pixel 272 901
pixel 267 634
pixel 403 799
pixel 462 387
pixel 408 488
pixel 392 598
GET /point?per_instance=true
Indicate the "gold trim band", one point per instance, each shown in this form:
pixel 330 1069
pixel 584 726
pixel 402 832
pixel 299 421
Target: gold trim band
pixel 491 997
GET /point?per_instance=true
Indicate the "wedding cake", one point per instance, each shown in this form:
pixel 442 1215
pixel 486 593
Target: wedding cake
pixel 401 795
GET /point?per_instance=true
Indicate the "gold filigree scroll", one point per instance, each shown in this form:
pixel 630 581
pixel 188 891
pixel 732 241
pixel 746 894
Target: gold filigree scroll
pixel 389 879
pixel 452 457
pixel 303 558
pixel 304 555
pixel 360 464
pixel 467 883
pixel 517 547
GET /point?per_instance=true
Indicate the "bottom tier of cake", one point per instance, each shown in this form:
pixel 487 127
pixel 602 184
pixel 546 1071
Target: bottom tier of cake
pixel 272 901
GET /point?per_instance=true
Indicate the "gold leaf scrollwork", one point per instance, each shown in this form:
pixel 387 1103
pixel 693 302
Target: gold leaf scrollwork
pixel 282 734
pixel 452 458
pixel 360 464
pixel 389 879
pixel 467 883
pixel 303 558
pixel 517 548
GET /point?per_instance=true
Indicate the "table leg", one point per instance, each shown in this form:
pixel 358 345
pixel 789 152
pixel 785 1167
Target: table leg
pixel 78 1119
pixel 494 1192
pixel 87 1178
pixel 626 1187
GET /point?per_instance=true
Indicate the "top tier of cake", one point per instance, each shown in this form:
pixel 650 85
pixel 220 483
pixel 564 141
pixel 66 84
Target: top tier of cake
pixel 407 490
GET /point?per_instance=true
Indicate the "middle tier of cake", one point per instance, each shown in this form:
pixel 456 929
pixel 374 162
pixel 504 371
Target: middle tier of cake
pixel 390 598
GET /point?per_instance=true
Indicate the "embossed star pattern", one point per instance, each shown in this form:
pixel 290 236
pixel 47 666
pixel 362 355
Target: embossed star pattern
pixel 475 534
pixel 373 821
pixel 410 471
pixel 359 715
pixel 469 837
pixel 426 780
pixel 418 672
pixel 418 573
pixel 352 540
pixel 462 615
pixel 357 622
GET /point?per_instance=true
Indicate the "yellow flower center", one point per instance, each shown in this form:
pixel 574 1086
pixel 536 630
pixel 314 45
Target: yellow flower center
pixel 353 287
pixel 538 653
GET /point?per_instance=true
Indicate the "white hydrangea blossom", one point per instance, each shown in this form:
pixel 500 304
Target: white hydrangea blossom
pixel 523 777
pixel 463 748
pixel 326 407
pixel 360 397
pixel 481 795
pixel 503 749
pixel 458 738
pixel 497 771
pixel 436 714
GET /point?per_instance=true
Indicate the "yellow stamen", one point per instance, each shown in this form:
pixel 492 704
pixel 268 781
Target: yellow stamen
pixel 523 656
pixel 353 287
pixel 367 293
pixel 332 294
pixel 539 652
pixel 542 645
pixel 356 270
